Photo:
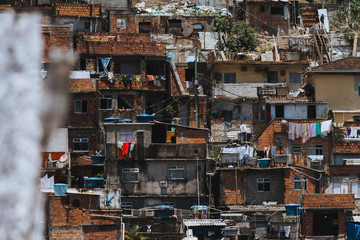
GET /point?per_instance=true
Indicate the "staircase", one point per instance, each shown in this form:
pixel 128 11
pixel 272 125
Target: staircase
pixel 321 44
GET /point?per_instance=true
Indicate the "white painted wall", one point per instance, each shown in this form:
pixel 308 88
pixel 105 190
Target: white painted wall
pixel 298 111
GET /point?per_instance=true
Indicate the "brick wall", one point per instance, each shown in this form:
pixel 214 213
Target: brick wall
pixel 130 23
pixel 229 187
pixel 190 136
pixel 346 146
pixel 87 119
pixel 69 212
pixel 82 85
pixel 328 201
pixel 202 112
pixel 291 195
pixel 344 170
pixel 90 133
pixel 123 44
pixel 342 222
pixel 55 37
pixel 76 9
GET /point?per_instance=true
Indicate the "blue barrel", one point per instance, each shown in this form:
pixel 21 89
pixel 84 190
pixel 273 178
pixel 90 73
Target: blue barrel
pixel 111 119
pixel 97 159
pixel 264 162
pixel 144 118
pixel 93 182
pixel 60 189
pixel 126 120
pixel 291 209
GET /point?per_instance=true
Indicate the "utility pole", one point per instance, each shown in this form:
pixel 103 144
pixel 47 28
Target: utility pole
pixel 196 83
pixel 349 12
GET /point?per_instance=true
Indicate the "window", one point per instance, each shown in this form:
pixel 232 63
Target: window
pixel 197 27
pixel 311 111
pixel 130 175
pixel 279 111
pixel 277 11
pixel 340 188
pixel 126 208
pixel 81 106
pixel 176 173
pixel 174 27
pixel 144 27
pixel 126 136
pixel 105 102
pixel 262 8
pixel 80 144
pixel 355 189
pixel 87 26
pixel 263 184
pixel 128 66
pixel 315 149
pixel 294 78
pixel 103 62
pixel 296 148
pixel 121 23
pixel 229 77
pixel 126 101
pixel 299 181
pixel 272 77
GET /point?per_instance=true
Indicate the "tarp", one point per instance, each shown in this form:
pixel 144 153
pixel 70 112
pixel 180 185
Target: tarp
pixel 353 231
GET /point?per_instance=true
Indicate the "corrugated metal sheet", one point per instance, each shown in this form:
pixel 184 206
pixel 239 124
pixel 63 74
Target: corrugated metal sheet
pixel 204 222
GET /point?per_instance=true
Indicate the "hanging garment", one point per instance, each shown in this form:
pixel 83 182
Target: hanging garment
pixel 157 81
pixel 312 129
pixel 126 148
pixel 287 231
pixel 150 78
pixel 273 151
pixel 305 134
pixel 291 132
pixel 298 130
pixel 326 127
pixel 318 129
pixel 353 133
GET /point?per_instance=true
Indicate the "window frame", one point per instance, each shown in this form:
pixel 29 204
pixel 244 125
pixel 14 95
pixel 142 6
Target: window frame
pixel 121 23
pixel 126 136
pixel 297 147
pixel 126 206
pixel 356 193
pixel 262 182
pixel 298 180
pixel 341 183
pixel 80 141
pixel 176 168
pixel 227 77
pixel 316 148
pixel 108 99
pixel 295 76
pixel 130 171
pixel 271 74
pixel 81 104
pixel 278 111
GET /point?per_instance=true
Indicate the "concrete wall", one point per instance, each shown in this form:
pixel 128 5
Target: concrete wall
pixel 113 4
pixel 58 141
pixel 328 188
pixel 276 192
pixel 79 23
pixel 156 171
pixel 341 95
pixel 298 111
pixel 176 151
pixel 257 73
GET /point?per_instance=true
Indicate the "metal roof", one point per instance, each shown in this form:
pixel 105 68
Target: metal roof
pixel 204 222
pixel 258 208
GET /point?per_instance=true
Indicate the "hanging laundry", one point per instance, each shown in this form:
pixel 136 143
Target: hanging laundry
pixel 318 129
pixel 157 81
pixel 287 231
pixel 125 148
pixel 298 130
pixel 150 78
pixel 305 134
pixel 312 129
pixel 325 127
pixel 273 151
pixel 291 132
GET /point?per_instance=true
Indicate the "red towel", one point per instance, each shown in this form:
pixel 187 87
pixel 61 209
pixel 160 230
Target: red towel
pixel 150 78
pixel 126 148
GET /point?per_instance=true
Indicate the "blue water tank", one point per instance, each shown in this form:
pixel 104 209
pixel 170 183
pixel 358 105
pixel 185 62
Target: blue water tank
pixel 60 189
pixel 144 118
pixel 97 159
pixel 93 182
pixel 291 209
pixel 126 120
pixel 264 162
pixel 111 119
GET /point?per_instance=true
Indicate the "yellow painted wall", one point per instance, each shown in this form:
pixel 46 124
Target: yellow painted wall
pixel 339 91
pixel 251 75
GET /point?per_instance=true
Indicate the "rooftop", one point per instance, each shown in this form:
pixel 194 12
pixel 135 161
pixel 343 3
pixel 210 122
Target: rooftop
pixel 204 222
pixel 350 64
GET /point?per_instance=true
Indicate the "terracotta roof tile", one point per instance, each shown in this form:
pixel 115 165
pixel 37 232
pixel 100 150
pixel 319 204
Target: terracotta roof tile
pixel 347 64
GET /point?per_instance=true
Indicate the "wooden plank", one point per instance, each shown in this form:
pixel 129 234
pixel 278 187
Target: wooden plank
pixel 177 78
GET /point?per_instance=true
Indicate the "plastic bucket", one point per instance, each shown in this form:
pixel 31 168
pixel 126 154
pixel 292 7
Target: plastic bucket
pixel 60 189
pixel 264 162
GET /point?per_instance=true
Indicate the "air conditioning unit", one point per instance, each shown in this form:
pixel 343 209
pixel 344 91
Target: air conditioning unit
pixel 134 170
pixel 149 213
pixel 163 184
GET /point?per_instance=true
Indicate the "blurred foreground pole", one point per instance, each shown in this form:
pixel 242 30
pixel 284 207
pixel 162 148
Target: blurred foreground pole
pixel 24 107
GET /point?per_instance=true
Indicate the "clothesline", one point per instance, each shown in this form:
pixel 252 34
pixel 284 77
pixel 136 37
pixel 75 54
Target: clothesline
pixel 309 130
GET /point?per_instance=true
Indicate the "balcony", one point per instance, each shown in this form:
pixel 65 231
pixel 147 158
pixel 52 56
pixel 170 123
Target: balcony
pixel 246 90
pixel 137 82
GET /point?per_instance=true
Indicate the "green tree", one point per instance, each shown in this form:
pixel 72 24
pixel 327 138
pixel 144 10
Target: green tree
pixel 239 36
pixel 134 234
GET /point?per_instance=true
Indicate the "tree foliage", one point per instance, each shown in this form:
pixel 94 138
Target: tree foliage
pixel 134 234
pixel 240 35
pixel 342 12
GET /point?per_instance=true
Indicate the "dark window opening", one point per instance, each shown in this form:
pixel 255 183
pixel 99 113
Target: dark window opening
pixel 197 27
pixel 263 184
pixel 311 111
pixel 189 75
pixel 277 11
pixel 87 26
pixel 272 77
pixel 300 183
pixel 325 223
pixel 262 8
pixel 228 116
pixel 279 111
pixel 127 66
pixel 105 102
pixel 229 77
pixel 144 27
pixel 76 203
pixel 175 27
pixel 126 102
pixel 154 67
pixel 296 148
pixel 80 144
pixel 81 106
pixel 100 66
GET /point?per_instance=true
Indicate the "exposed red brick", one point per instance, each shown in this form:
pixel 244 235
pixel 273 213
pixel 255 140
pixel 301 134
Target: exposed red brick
pixel 76 9
pixel 336 201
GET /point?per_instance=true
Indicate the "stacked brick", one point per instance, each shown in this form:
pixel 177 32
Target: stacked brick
pixel 124 44
pixel 76 9
pixel 232 195
pixel 336 201
pixel 56 37
pixel 82 85
pixel 190 136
